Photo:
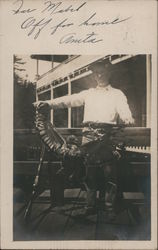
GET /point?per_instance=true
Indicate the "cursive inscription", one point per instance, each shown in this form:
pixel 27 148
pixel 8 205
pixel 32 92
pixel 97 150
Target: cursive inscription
pixel 20 9
pixel 90 21
pixel 55 8
pixel 67 19
pixel 62 24
pixel 73 38
pixel 35 26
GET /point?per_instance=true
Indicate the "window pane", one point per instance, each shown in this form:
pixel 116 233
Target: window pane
pixel 60 116
pixel 60 91
pixel 45 96
pixel 77 116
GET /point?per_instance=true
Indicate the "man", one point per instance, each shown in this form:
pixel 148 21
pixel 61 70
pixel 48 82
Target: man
pixel 102 107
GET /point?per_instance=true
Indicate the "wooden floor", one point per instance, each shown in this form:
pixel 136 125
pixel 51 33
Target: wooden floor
pixel 69 224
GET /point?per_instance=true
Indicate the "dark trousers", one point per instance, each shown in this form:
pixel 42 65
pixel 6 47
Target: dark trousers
pixel 98 178
pixel 99 162
pixel 95 181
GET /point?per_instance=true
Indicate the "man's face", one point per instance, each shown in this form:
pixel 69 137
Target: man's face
pixel 100 76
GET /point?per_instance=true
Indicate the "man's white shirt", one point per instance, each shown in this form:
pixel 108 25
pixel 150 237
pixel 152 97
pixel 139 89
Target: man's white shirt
pixel 101 104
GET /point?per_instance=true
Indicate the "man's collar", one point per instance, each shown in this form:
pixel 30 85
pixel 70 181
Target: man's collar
pixel 108 87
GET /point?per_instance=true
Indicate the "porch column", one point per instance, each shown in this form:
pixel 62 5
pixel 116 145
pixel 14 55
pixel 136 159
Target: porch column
pixel 51 89
pixel 52 60
pixel 36 93
pixel 148 90
pixel 36 77
pixel 51 97
pixel 69 109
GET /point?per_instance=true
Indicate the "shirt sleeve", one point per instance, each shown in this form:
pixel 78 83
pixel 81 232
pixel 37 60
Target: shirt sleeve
pixel 123 108
pixel 74 100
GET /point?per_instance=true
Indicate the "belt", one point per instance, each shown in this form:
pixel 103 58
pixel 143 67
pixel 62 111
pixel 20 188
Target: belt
pixel 96 125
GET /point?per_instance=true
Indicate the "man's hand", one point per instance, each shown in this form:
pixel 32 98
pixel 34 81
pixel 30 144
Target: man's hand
pixel 129 121
pixel 39 104
pixel 42 106
pixel 116 154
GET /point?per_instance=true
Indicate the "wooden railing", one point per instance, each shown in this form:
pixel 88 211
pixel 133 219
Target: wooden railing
pixel 27 147
pixel 130 136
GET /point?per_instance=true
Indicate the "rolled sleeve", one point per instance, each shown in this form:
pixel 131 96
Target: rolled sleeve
pixel 123 108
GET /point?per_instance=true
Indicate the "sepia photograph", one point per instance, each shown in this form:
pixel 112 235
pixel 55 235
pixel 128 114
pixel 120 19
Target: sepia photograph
pixel 78 126
pixel 82 147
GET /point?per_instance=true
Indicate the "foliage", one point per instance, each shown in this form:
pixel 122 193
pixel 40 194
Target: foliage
pixel 18 63
pixel 24 96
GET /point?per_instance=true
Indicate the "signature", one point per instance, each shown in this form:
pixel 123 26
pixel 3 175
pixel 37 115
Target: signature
pixel 73 38
pixel 91 22
pixel 53 8
pixel 20 9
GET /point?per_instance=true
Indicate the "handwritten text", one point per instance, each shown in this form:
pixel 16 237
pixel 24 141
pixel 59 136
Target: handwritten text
pixel 72 22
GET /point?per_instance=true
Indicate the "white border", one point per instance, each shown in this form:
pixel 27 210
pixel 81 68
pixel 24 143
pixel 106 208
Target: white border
pixel 13 41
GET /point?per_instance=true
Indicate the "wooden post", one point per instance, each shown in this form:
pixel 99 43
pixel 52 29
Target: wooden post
pixel 51 89
pixel 69 109
pixel 148 91
pixel 52 57
pixel 37 69
pixel 37 75
pixel 51 97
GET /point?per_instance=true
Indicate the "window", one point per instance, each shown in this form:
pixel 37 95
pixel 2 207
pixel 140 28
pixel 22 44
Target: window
pixel 60 116
pixel 45 96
